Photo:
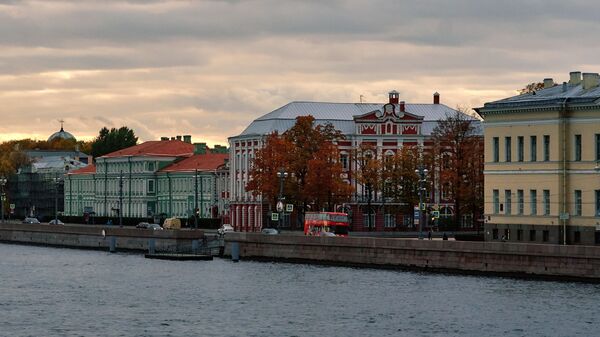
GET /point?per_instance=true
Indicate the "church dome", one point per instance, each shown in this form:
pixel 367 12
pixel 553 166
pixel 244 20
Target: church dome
pixel 62 134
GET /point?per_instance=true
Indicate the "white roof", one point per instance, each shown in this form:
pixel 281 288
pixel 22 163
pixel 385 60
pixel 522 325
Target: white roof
pixel 341 115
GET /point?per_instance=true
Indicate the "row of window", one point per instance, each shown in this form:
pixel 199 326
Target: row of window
pixel 577 141
pixel 532 235
pixel 506 207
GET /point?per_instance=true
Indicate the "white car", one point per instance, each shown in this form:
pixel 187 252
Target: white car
pixel 226 228
pixel 270 231
pixel 57 222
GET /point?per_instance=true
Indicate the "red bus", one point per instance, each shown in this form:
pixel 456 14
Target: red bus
pixel 326 224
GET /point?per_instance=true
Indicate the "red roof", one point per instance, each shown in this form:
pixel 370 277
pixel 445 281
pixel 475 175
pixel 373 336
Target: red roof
pixel 157 148
pixel 200 162
pixel 90 169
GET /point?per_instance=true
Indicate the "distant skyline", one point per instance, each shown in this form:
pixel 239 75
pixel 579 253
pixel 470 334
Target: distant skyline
pixel 208 68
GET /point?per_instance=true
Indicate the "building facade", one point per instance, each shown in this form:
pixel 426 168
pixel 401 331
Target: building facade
pixel 542 155
pixel 155 179
pixel 386 127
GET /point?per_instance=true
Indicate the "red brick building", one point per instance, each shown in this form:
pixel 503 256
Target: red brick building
pixel 387 127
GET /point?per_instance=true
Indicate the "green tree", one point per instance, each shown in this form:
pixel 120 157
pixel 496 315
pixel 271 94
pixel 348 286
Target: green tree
pixel 112 140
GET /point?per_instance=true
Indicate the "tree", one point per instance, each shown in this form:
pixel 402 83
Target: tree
pixel 323 180
pixel 112 140
pixel 307 152
pixel 458 155
pixel 531 88
pixel 369 173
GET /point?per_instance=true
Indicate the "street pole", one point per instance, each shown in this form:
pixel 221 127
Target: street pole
pixel 421 171
pixel 121 199
pixel 281 174
pixel 56 182
pixel 2 183
pixel 196 210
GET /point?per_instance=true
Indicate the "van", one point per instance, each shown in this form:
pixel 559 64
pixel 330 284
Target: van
pixel 172 223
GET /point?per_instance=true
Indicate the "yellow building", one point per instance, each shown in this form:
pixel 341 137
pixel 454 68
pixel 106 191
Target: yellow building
pixel 542 172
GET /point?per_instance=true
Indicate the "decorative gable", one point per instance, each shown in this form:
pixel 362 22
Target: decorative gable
pixel 389 120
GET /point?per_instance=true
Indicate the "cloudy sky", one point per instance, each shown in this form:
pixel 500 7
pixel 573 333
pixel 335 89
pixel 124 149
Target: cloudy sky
pixel 208 68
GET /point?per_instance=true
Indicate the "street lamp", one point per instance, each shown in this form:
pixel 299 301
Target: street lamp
pixel 121 199
pixel 422 172
pixel 281 174
pixel 196 199
pixel 3 181
pixel 57 181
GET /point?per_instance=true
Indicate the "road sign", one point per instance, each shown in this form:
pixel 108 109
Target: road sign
pixel 436 214
pixel 289 208
pixel 417 215
pixel 564 216
pixel 279 206
pixel 423 206
pixel 274 216
pixel 12 207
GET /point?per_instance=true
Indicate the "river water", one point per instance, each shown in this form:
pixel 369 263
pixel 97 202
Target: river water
pixel 65 292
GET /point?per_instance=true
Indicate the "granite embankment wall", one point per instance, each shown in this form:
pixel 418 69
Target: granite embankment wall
pixel 91 237
pixel 548 261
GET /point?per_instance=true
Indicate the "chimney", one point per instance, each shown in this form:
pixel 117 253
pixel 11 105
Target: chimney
pixel 178 137
pixel 402 106
pixel 164 138
pixel 590 80
pixel 90 160
pixel 548 83
pixel 199 148
pixel 564 87
pixel 187 139
pixel 436 98
pixel 575 77
pixel 394 96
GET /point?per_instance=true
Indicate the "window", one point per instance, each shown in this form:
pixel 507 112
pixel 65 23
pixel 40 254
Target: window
pixel 577 147
pixel 521 201
pixel 151 166
pixel 597 202
pixel 496 147
pixel 506 234
pixel 495 233
pixel 519 234
pixel 150 186
pixel 546 202
pixel 507 149
pixel 577 236
pixel 546 148
pixel 533 141
pixel 496 199
pixel 344 161
pixel 366 220
pixel 390 220
pixel 520 141
pixel 597 147
pixel 533 201
pixel 577 202
pixel 507 202
pixel 532 235
pixel 545 235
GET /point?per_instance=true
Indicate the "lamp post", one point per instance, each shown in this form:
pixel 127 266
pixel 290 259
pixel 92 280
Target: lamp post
pixel 3 181
pixel 121 199
pixel 196 199
pixel 281 174
pixel 57 181
pixel 422 172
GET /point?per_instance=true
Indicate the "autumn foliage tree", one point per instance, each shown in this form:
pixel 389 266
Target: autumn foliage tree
pixel 458 155
pixel 307 152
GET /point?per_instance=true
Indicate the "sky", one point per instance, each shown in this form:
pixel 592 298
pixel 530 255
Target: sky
pixel 208 68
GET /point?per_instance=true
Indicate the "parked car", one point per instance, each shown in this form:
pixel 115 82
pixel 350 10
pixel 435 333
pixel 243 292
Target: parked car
pixel 270 231
pixel 154 226
pixel 225 229
pixel 31 220
pixel 55 222
pixel 143 225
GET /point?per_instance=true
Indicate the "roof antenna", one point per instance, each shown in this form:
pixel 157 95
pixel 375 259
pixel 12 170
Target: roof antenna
pixel 361 98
